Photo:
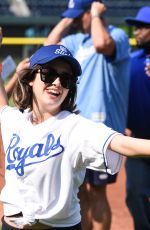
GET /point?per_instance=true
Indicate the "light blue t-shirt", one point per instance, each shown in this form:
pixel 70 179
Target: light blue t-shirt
pixel 103 86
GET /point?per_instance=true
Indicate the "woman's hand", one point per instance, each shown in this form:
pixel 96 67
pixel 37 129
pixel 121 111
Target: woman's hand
pixel 24 64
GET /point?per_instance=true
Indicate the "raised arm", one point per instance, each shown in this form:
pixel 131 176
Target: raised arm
pixel 130 146
pixel 59 31
pixel 1 36
pixel 3 95
pixel 102 41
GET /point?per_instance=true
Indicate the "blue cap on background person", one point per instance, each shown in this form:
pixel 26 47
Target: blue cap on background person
pixel 51 52
pixel 77 7
pixel 142 17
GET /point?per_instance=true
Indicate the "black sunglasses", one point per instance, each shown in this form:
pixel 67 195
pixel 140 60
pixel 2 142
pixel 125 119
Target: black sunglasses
pixel 49 75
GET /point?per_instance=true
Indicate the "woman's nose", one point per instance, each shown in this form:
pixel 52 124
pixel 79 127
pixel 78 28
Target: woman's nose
pixel 56 82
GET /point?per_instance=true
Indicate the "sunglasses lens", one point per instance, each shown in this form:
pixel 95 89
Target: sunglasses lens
pixel 49 76
pixel 66 80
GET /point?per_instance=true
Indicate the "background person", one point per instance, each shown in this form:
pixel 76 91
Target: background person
pixel 103 52
pixel 147 69
pixel 138 169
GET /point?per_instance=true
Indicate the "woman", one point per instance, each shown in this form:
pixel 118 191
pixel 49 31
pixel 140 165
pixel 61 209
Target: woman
pixel 48 145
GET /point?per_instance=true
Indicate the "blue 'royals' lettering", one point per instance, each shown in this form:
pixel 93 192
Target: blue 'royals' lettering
pixel 17 157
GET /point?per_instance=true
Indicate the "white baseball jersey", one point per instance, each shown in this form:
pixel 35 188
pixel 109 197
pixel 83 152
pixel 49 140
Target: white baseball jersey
pixel 45 164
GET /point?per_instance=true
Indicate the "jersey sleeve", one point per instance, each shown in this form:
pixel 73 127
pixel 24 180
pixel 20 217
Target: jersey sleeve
pixel 90 142
pixel 2 110
pixel 7 115
pixel 9 122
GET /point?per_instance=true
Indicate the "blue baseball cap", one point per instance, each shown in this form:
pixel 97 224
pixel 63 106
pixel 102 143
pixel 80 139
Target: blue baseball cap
pixel 77 7
pixel 51 52
pixel 142 17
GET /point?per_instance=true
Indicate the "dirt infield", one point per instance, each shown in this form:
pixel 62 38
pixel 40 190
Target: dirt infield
pixel 121 219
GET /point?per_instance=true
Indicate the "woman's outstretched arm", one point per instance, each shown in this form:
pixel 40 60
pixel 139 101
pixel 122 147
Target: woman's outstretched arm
pixel 130 146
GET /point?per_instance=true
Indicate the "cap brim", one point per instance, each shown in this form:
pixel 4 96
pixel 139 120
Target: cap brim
pixel 134 22
pixel 72 13
pixel 73 63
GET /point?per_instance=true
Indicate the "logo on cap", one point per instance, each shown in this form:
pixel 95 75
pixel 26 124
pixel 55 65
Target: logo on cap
pixel 62 51
pixel 71 4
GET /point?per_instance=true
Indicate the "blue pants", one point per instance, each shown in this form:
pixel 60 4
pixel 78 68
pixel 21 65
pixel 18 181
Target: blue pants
pixel 138 191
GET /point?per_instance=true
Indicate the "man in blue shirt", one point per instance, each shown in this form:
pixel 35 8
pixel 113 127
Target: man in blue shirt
pixel 138 169
pixel 103 52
